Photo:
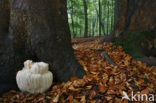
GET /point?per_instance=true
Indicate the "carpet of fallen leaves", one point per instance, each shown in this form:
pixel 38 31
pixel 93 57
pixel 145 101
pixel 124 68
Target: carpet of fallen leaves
pixel 104 83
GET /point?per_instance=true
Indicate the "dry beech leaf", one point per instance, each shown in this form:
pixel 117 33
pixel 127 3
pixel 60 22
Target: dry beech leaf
pixel 74 89
pixel 70 98
pixel 111 81
pixel 102 88
pixel 83 99
pixel 92 94
pixel 56 99
pixel 89 87
pixel 145 91
pixel 108 98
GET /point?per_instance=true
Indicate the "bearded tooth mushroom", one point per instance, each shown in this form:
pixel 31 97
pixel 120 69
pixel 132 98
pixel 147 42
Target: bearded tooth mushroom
pixel 34 77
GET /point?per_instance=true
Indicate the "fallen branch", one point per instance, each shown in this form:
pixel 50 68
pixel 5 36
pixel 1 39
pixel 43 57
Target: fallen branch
pixel 106 57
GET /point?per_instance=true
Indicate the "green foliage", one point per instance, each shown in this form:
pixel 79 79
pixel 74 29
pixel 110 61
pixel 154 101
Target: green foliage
pixel 76 12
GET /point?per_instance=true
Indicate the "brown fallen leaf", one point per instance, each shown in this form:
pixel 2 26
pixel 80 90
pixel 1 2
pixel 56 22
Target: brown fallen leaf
pixel 102 88
pixel 56 99
pixel 89 87
pixel 70 98
pixel 74 89
pixel 83 99
pixel 145 91
pixel 92 94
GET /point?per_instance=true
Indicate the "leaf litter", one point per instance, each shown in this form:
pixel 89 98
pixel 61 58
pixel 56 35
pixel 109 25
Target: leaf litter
pixel 103 82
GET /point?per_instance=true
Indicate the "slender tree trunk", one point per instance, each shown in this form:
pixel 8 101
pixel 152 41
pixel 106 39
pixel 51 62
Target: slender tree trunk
pixel 108 20
pixel 100 13
pixel 103 21
pixel 97 21
pixel 93 26
pixel 86 18
pixel 103 28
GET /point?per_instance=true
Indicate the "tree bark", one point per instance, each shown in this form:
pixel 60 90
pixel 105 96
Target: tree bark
pixel 7 57
pixel 86 18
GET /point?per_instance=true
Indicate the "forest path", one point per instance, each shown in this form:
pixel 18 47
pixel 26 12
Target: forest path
pixel 80 40
pixel 103 81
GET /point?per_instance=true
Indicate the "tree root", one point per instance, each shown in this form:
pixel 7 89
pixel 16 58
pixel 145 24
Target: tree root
pixel 106 57
pixel 148 61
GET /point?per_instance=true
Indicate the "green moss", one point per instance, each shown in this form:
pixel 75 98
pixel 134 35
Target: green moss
pixel 138 44
pixel 130 45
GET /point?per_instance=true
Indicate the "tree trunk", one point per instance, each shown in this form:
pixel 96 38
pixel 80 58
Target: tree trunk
pixel 108 19
pixel 7 57
pixel 93 27
pixel 4 28
pixel 103 21
pixel 100 13
pixel 40 31
pixel 86 18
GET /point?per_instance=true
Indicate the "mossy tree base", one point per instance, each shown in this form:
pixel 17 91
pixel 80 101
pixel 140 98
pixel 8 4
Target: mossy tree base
pixel 138 44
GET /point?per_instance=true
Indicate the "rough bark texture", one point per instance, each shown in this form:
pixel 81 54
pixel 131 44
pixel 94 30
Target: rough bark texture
pixel 7 71
pixel 39 30
pixel 136 15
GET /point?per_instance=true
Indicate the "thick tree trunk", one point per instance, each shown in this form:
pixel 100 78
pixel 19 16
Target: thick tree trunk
pixel 7 57
pixel 4 28
pixel 86 18
pixel 48 35
pixel 39 31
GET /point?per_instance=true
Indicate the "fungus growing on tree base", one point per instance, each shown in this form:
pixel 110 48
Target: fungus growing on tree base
pixel 34 77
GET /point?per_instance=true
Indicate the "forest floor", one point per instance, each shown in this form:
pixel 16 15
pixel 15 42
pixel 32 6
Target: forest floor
pixel 103 83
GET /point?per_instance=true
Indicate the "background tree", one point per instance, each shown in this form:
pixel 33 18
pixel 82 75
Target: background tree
pixel 100 13
pixel 86 18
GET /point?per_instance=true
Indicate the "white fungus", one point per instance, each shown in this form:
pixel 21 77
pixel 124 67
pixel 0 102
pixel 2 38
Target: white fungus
pixel 34 77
